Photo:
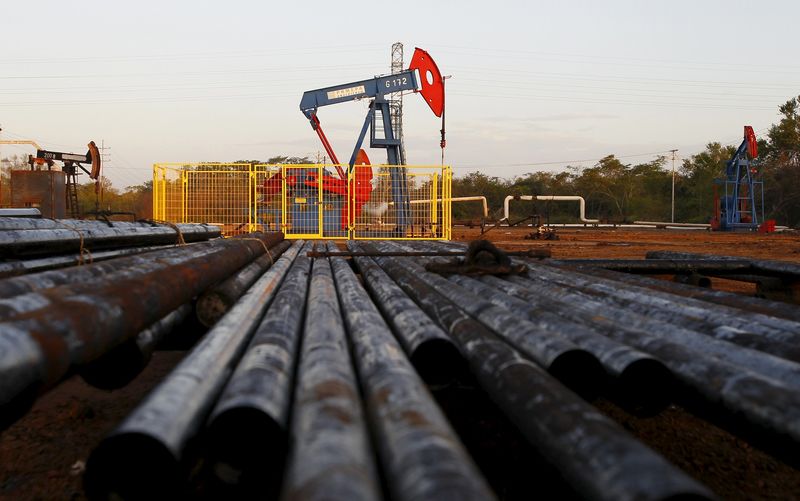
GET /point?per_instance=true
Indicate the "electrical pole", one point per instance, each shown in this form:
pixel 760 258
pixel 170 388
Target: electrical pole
pixel 673 185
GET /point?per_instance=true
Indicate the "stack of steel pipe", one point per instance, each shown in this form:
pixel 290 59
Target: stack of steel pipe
pixel 315 382
pixel 37 237
pixel 739 364
pixel 596 456
pixel 58 322
pixel 272 400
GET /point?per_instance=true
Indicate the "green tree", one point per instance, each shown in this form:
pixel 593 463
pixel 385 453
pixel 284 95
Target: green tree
pixel 609 186
pixel 694 190
pixel 780 166
pixel 652 191
pixel 474 184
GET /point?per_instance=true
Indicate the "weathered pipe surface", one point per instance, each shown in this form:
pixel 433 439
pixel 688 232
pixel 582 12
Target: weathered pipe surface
pixel 594 454
pixel 429 348
pixel 639 380
pixel 16 223
pixel 62 240
pixel 662 266
pixel 215 302
pixel 543 342
pixel 532 253
pixel 768 365
pixel 76 324
pixel 755 305
pixel 147 456
pixel 421 455
pixel 95 272
pixel 122 364
pixel 776 268
pixel 768 406
pixel 14 300
pixel 330 455
pixel 16 268
pixel 248 427
pixel 776 336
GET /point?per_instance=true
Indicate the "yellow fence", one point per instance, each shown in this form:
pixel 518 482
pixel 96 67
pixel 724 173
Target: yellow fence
pixel 373 202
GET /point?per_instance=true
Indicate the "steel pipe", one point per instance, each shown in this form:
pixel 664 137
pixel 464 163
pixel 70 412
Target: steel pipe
pixel 429 348
pixel 769 406
pixel 76 324
pixel 738 301
pixel 122 364
pixel 640 381
pixel 330 456
pixel 154 442
pixel 532 253
pixel 10 269
pixel 580 200
pixel 481 199
pixel 421 455
pixel 777 268
pixel 594 454
pixel 98 272
pixel 71 239
pixel 764 363
pixel 248 427
pixel 772 335
pixel 661 266
pixel 23 212
pixel 14 223
pixel 545 342
pixel 215 302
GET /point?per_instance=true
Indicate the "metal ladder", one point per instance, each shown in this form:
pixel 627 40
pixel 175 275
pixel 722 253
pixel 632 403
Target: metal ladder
pixel 72 192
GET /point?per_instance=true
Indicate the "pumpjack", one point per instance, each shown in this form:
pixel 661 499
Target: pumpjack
pixel 71 163
pixel 423 77
pixel 742 205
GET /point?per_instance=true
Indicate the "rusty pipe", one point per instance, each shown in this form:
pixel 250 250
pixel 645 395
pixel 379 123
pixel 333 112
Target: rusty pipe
pixel 329 454
pixel 154 442
pixel 122 364
pixel 248 427
pixel 593 453
pixel 15 243
pixel 215 302
pixel 15 268
pixel 639 381
pixel 76 324
pixel 429 348
pixel 545 343
pixel 420 453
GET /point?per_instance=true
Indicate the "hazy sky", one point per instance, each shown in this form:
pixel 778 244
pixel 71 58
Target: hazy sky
pixel 535 85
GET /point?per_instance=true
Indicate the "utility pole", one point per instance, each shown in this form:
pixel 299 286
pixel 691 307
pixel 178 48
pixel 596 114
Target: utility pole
pixel 673 184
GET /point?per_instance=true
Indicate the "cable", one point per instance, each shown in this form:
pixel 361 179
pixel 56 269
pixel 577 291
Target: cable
pixel 535 164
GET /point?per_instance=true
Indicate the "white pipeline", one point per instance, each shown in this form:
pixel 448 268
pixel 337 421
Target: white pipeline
pixel 461 199
pixel 555 198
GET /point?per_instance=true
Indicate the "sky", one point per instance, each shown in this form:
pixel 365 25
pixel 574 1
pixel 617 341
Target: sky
pixel 535 85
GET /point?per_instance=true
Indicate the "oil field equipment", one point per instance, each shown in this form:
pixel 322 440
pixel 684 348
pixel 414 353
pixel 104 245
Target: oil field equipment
pixel 742 205
pixel 360 200
pixel 54 193
pixel 422 76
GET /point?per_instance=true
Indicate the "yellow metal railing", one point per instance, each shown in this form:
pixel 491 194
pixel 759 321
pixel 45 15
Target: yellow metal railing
pixel 244 197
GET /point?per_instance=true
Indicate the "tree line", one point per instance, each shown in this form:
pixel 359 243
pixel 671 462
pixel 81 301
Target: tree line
pixel 618 192
pixel 614 191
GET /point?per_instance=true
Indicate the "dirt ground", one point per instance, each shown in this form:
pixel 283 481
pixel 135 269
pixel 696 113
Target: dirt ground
pixel 42 455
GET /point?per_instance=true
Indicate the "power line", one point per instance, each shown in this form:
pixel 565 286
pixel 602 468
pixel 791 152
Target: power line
pixel 557 162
